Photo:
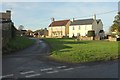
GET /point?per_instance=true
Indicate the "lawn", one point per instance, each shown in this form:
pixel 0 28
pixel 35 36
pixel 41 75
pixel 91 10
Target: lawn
pixel 68 50
pixel 17 43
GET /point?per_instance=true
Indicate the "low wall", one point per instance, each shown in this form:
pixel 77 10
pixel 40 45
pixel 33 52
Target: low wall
pixel 113 39
pixel 86 38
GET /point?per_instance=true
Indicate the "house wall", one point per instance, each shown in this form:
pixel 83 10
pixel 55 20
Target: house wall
pixel 56 31
pixel 67 29
pixel 5 15
pixel 7 27
pixel 6 33
pixel 97 27
pixel 100 25
pixel 82 30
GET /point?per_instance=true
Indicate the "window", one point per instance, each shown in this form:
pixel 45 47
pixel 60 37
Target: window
pixel 73 28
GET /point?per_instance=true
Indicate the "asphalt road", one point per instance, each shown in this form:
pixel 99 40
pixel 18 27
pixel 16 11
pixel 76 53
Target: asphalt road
pixel 33 63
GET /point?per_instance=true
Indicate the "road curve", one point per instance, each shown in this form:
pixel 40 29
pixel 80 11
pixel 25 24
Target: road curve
pixel 33 63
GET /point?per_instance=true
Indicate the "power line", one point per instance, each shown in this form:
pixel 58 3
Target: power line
pixel 98 14
pixel 45 20
pixel 107 12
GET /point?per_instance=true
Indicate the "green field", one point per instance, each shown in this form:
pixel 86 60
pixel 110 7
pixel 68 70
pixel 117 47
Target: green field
pixel 17 43
pixel 68 50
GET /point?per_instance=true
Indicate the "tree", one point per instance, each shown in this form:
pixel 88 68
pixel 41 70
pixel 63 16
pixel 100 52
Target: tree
pixel 21 27
pixel 29 32
pixel 45 32
pixel 116 24
pixel 42 32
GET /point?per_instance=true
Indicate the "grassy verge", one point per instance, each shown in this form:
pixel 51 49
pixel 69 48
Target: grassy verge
pixel 17 43
pixel 67 50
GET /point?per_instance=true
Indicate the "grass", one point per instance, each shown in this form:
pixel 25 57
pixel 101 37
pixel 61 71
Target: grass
pixel 17 43
pixel 68 50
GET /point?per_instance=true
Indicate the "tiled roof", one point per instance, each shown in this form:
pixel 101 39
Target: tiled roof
pixel 59 23
pixel 83 22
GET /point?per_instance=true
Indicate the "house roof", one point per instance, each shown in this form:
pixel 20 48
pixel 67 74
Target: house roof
pixel 59 23
pixel 83 22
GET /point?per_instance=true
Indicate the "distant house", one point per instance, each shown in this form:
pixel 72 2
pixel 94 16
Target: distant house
pixel 81 27
pixel 23 32
pixel 41 33
pixel 59 28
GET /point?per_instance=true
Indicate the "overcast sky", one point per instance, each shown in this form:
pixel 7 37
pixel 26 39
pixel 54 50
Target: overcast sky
pixel 36 15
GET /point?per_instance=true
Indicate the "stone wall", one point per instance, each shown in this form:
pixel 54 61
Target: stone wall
pixel 7 32
pixel 86 38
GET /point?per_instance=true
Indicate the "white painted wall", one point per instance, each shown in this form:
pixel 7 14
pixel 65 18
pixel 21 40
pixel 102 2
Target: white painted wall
pixel 79 29
pixel 85 28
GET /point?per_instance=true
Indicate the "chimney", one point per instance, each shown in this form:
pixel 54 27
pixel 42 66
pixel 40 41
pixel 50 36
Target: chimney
pixel 8 12
pixel 53 19
pixel 94 17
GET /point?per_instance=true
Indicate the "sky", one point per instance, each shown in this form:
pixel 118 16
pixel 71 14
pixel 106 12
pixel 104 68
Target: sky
pixel 37 15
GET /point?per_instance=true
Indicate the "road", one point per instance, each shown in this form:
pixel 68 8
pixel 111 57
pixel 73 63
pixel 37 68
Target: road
pixel 33 63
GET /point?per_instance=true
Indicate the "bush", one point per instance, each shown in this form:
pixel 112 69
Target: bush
pixel 91 33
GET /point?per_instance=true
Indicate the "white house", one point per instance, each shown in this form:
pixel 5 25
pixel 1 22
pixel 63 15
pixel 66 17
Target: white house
pixel 81 27
pixel 59 28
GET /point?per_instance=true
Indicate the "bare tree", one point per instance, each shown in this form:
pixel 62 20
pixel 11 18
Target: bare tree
pixel 21 27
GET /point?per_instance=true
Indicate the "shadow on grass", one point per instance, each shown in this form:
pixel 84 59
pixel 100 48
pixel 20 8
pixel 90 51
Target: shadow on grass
pixel 60 44
pixel 77 42
pixel 65 50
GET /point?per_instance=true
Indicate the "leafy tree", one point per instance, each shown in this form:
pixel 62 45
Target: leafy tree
pixel 29 32
pixel 116 24
pixel 42 32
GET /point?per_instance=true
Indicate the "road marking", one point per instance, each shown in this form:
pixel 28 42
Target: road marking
pixel 27 72
pixel 69 69
pixel 28 76
pixel 46 69
pixel 52 72
pixel 61 67
pixel 10 75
